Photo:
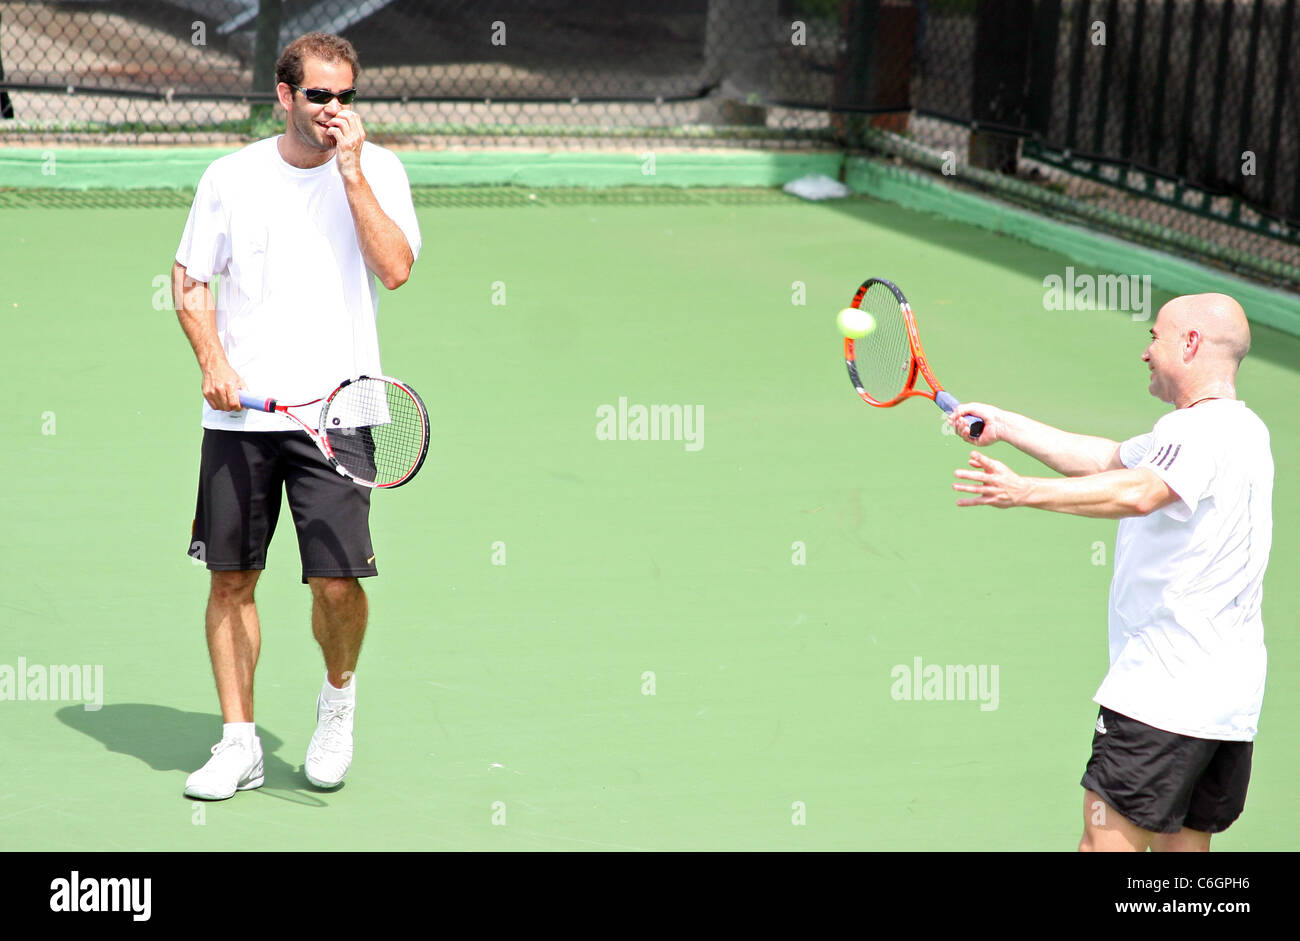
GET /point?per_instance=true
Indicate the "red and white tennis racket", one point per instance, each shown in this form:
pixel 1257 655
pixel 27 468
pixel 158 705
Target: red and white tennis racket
pixel 883 365
pixel 372 429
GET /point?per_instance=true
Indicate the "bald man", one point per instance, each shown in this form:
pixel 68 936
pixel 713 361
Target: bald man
pixel 1180 704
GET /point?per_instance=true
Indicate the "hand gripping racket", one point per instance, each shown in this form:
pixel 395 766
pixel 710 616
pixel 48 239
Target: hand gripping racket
pixel 372 429
pixel 883 365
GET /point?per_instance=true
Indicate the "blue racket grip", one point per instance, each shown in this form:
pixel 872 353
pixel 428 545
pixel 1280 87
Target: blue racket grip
pixel 256 404
pixel 946 402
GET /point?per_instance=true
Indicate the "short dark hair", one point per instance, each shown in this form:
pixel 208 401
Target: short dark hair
pixel 324 46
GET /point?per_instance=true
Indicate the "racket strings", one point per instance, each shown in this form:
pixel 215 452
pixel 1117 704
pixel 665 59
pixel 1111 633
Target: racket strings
pixel 377 430
pixel 883 357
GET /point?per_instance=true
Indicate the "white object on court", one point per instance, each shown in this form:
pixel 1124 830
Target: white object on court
pixel 816 186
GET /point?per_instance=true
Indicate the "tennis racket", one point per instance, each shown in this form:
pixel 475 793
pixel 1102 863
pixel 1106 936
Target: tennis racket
pixel 883 365
pixel 372 429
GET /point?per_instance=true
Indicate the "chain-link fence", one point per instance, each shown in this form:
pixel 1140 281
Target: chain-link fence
pixel 1179 114
pixel 434 71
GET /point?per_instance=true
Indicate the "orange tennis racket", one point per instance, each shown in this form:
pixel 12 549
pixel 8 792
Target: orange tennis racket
pixel 883 365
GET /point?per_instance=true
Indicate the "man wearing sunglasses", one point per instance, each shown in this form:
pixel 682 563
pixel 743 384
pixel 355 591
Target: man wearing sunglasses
pixel 298 228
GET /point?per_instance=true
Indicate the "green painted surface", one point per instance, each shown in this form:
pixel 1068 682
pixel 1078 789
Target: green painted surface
pixel 522 688
pixel 82 168
pixel 99 177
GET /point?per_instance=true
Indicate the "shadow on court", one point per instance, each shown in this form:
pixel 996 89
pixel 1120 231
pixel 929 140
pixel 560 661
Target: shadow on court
pixel 168 739
pixel 1023 258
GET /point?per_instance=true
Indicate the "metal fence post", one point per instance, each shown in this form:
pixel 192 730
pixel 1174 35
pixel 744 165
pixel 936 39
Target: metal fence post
pixel 1003 33
pixel 739 46
pixel 6 106
pixel 266 49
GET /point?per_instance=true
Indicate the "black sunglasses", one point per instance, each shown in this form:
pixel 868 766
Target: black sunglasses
pixel 322 96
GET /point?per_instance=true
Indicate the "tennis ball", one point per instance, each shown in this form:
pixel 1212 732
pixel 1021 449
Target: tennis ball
pixel 855 323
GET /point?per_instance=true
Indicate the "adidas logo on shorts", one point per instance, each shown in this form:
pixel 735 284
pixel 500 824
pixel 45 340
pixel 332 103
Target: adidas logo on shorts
pixel 1101 726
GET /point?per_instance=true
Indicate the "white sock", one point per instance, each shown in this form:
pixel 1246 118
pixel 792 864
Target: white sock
pixel 347 694
pixel 244 731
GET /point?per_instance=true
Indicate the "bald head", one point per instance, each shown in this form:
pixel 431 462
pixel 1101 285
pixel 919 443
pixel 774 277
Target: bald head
pixel 1197 343
pixel 1220 321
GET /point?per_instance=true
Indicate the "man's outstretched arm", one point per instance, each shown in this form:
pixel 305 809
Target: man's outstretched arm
pixel 1112 494
pixel 1064 452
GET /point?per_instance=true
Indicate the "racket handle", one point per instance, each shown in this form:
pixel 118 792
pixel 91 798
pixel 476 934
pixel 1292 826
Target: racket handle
pixel 946 402
pixel 256 404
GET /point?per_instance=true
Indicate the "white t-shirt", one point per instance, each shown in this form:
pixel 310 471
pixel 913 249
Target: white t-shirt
pixel 296 305
pixel 1186 636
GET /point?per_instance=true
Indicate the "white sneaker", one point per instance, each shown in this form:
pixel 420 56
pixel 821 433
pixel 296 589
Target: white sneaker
pixel 235 765
pixel 330 752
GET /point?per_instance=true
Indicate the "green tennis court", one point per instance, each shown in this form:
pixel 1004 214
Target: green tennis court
pixel 579 640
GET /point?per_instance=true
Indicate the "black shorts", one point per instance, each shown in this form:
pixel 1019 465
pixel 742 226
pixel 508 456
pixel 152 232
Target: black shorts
pixel 1163 781
pixel 241 476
